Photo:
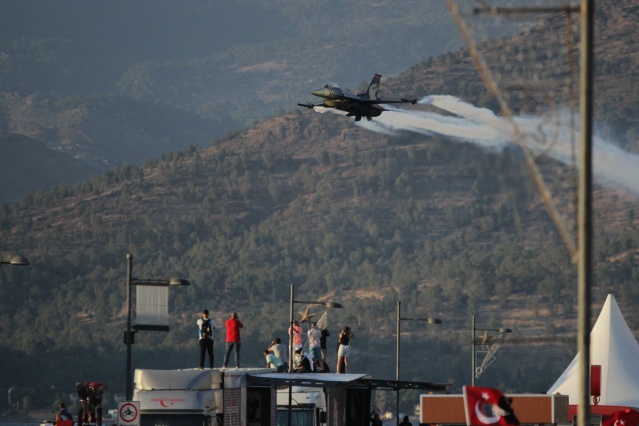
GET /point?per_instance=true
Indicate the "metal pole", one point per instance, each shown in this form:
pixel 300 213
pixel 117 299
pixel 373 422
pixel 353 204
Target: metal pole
pixel 127 338
pixel 472 352
pixel 290 354
pixel 399 307
pixel 585 207
pixel 290 339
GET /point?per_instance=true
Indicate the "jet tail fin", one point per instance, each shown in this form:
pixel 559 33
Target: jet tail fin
pixel 373 88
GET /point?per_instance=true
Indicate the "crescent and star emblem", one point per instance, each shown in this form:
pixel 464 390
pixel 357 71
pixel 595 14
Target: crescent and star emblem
pixel 488 420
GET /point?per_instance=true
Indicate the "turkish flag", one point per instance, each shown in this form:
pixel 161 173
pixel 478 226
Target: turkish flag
pixel 486 406
pixel 627 417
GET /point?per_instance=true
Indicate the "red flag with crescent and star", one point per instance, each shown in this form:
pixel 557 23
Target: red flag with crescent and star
pixel 487 406
pixel 627 417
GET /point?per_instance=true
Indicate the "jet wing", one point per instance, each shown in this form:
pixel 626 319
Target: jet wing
pixel 359 100
pixel 382 101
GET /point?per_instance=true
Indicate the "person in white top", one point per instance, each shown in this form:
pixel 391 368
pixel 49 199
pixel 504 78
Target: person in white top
pixel 279 350
pixel 314 344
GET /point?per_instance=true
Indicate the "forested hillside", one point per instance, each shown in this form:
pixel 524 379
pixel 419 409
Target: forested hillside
pixel 366 219
pixel 450 231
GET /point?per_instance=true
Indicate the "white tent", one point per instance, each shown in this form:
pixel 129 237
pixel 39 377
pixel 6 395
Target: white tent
pixel 614 348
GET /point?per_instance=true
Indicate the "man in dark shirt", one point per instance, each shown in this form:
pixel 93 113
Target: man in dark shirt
pixel 63 414
pixel 304 365
pixel 375 420
pixel 406 422
pixel 325 334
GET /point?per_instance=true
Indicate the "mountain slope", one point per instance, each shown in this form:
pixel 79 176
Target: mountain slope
pixel 169 75
pixel 39 168
pixel 235 82
pixel 447 228
pixel 344 214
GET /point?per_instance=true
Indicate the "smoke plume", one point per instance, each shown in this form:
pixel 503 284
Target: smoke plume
pixel 551 135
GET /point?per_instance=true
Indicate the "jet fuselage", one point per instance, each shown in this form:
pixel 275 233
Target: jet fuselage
pixel 335 97
pixel 355 105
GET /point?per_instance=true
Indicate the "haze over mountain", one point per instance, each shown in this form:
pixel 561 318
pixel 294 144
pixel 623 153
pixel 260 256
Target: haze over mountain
pixel 119 82
pixel 445 226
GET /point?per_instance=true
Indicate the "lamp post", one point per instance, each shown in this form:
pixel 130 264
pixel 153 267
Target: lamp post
pixel 290 343
pixel 433 321
pixel 473 344
pixel 129 334
pixel 14 259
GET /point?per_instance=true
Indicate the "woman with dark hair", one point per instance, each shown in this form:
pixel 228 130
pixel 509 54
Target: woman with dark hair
pixel 344 350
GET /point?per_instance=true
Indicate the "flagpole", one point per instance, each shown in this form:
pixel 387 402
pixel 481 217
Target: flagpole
pixel 472 351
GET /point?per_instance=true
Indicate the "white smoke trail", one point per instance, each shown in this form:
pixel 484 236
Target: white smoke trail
pixel 612 166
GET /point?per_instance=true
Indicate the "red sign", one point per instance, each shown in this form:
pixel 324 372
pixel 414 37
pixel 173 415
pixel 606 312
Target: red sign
pixel 129 413
pixel 595 381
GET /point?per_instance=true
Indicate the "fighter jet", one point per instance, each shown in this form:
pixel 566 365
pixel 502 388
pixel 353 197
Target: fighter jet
pixel 360 105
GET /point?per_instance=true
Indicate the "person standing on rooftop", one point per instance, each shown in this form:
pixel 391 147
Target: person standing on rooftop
pixel 233 339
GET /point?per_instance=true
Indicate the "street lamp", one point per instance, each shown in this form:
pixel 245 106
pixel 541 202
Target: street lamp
pixel 473 344
pixel 129 334
pixel 400 319
pixel 13 259
pixel 290 343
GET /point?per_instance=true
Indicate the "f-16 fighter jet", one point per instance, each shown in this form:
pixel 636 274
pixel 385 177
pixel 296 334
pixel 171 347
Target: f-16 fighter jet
pixel 355 105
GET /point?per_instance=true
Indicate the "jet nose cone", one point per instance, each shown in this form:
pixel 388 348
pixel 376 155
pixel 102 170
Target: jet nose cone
pixel 322 93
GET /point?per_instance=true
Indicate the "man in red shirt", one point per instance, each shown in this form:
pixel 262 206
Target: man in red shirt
pixel 233 339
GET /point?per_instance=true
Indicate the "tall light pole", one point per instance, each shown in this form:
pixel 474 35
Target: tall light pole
pixel 399 320
pixel 290 343
pixel 129 334
pixel 473 344
pixel 14 259
pixel 585 262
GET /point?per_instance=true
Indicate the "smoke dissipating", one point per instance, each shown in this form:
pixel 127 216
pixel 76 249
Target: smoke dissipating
pixel 612 166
